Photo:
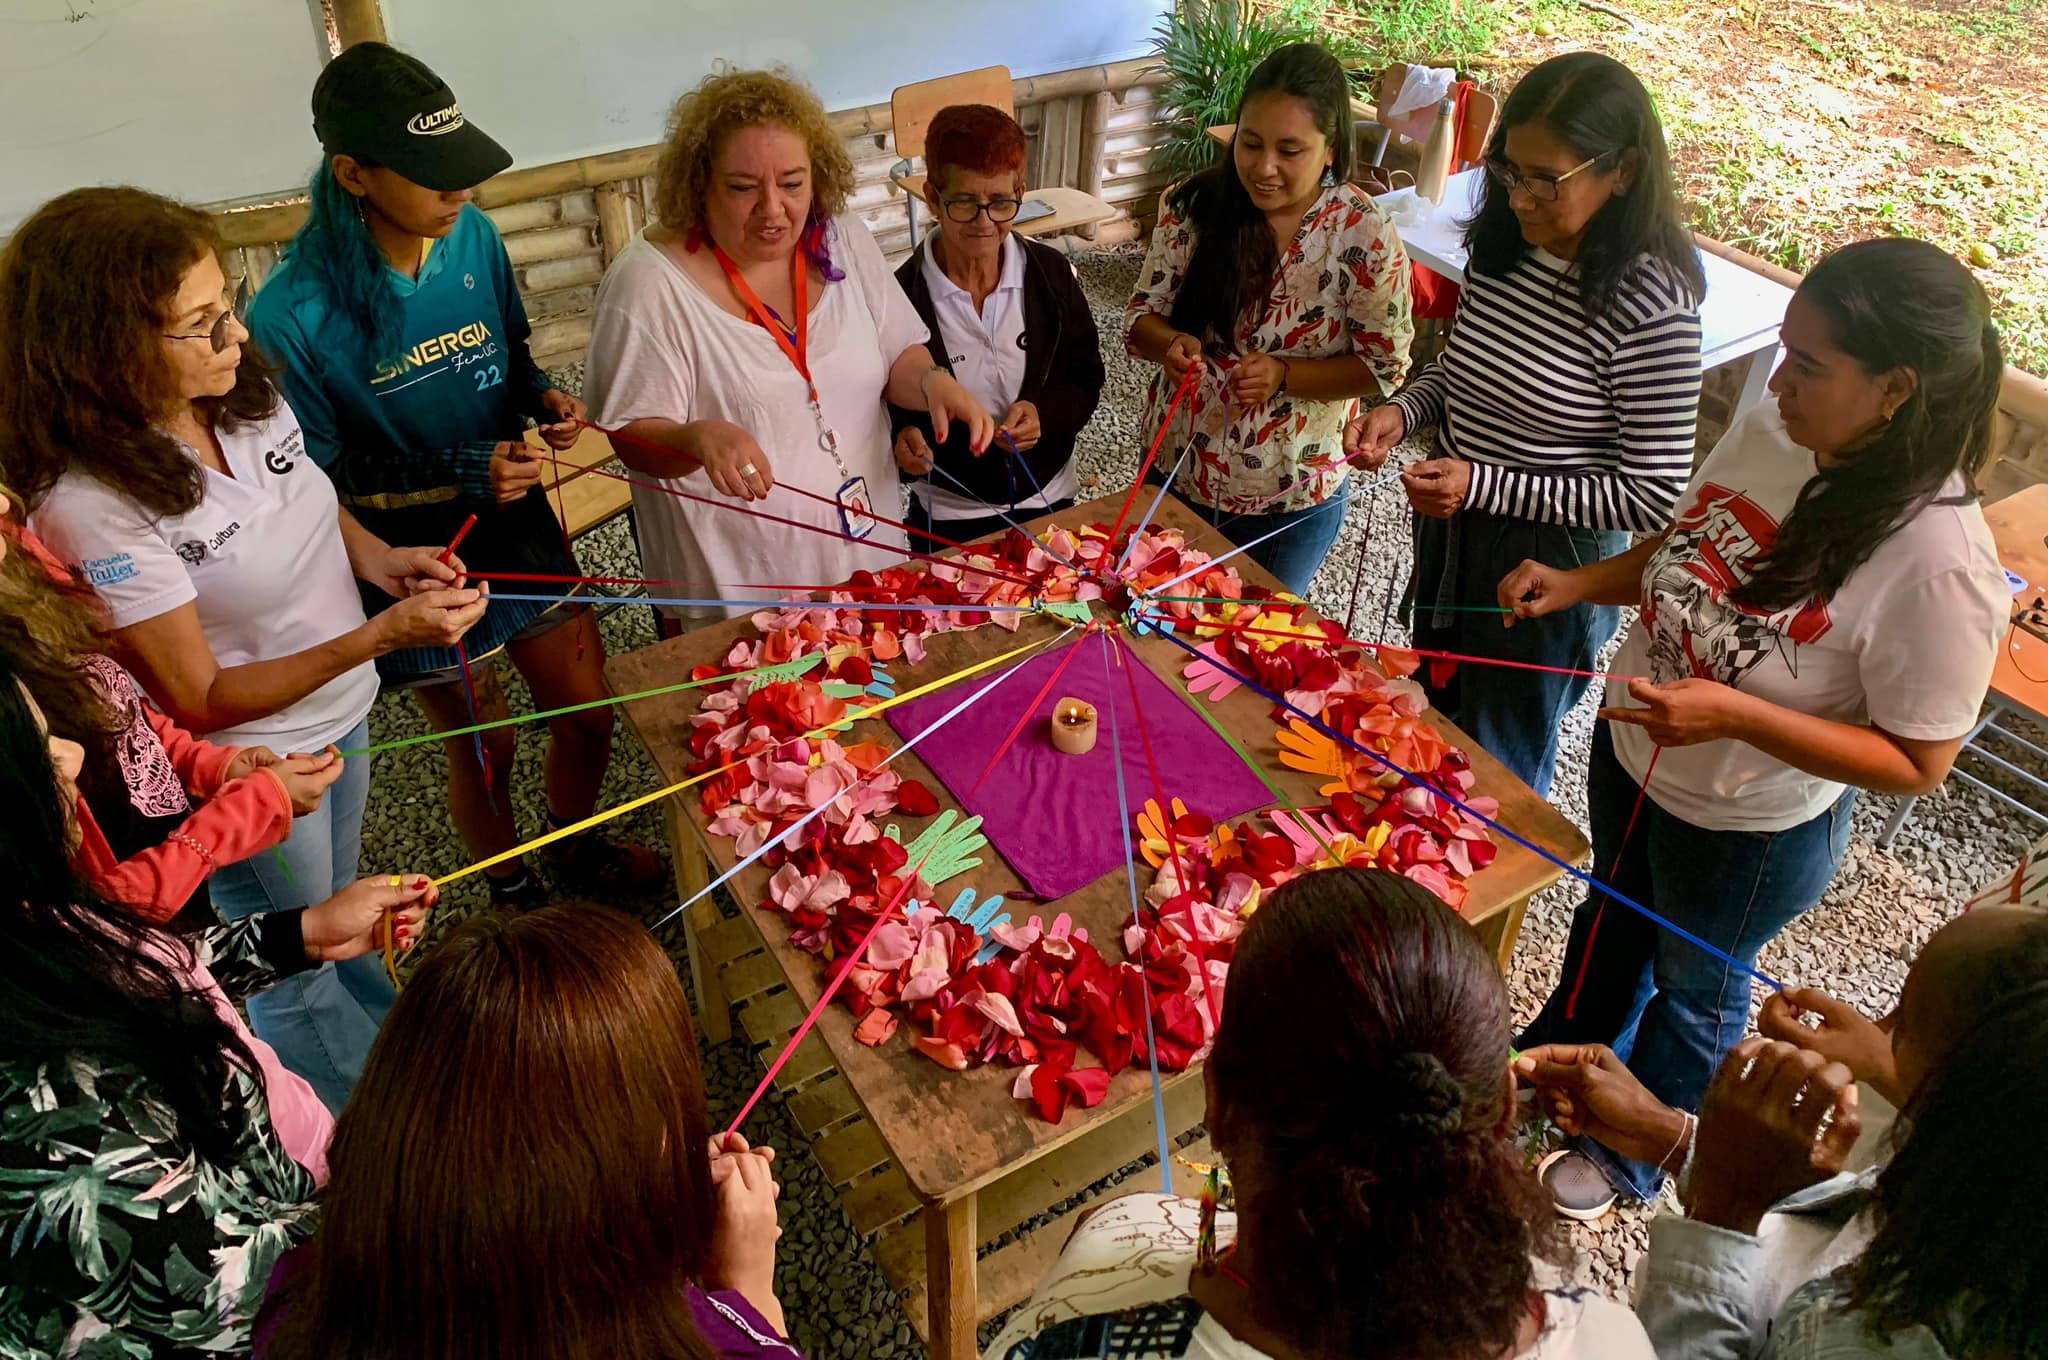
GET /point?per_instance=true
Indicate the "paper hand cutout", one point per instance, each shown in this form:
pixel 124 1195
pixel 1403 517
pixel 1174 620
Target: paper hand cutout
pixel 882 687
pixel 787 670
pixel 1208 676
pixel 1304 748
pixel 946 848
pixel 1073 611
pixel 1302 831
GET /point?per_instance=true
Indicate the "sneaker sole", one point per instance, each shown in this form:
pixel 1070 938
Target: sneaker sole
pixel 1577 1215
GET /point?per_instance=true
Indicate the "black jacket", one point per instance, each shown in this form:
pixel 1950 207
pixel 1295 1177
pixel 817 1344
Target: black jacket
pixel 1062 376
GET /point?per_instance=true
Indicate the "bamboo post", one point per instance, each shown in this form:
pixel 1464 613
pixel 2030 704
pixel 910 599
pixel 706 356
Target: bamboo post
pixel 614 219
pixel 1094 147
pixel 358 21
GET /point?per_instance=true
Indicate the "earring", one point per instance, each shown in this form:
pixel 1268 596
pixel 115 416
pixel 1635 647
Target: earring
pixel 1329 175
pixel 1205 1233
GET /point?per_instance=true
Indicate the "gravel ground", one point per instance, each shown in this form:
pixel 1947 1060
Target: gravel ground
pixel 1881 908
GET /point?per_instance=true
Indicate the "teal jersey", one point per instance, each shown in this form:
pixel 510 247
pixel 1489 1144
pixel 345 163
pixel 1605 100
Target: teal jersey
pixel 407 436
pixel 417 425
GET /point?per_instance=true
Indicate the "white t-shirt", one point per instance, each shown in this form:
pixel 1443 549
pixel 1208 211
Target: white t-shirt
pixel 1138 1250
pixel 261 555
pixel 1907 644
pixel 662 349
pixel 989 360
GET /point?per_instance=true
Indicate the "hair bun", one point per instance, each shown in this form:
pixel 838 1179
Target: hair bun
pixel 1426 1099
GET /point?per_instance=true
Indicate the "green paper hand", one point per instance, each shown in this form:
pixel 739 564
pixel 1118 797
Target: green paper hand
pixel 787 670
pixel 947 846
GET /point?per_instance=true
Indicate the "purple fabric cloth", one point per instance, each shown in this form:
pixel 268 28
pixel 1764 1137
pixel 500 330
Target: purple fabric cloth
pixel 724 1318
pixel 1054 816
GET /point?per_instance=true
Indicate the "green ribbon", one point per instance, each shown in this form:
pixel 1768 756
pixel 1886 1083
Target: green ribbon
pixel 760 675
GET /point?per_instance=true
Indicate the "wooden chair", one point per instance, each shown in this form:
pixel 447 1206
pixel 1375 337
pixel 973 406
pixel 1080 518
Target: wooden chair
pixel 1482 110
pixel 911 110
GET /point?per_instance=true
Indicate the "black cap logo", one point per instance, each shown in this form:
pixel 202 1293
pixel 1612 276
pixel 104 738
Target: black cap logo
pixel 436 123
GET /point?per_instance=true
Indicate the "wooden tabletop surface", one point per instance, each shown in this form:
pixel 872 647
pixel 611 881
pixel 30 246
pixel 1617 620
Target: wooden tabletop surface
pixel 953 1132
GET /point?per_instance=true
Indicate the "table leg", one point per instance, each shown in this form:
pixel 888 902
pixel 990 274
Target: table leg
pixel 1500 931
pixel 1757 381
pixel 693 873
pixel 952 1294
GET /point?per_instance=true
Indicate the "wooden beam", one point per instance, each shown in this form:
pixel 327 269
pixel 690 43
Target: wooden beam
pixel 358 21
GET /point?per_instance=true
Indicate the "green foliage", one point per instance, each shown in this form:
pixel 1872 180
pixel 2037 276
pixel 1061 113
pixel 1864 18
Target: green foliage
pixel 1208 50
pixel 1456 33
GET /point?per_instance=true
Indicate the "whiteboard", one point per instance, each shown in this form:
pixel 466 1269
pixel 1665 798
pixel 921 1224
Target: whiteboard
pixel 552 80
pixel 202 100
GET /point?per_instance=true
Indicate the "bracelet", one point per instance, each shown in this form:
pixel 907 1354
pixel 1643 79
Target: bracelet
pixel 195 847
pixel 1685 1138
pixel 1285 370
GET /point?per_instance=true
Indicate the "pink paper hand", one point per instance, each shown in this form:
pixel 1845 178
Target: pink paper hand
pixel 1208 677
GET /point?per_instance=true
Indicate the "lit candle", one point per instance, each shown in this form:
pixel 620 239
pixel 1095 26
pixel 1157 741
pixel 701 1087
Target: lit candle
pixel 1073 727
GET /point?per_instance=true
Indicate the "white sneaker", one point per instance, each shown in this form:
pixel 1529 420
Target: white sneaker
pixel 1578 1187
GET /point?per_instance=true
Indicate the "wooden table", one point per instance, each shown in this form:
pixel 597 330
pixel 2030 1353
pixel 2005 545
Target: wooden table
pixel 1739 317
pixel 930 1163
pixel 2019 682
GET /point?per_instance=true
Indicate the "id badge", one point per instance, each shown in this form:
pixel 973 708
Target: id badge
pixel 856 511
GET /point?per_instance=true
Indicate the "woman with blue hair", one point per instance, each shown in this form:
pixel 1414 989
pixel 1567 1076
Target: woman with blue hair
pixel 398 322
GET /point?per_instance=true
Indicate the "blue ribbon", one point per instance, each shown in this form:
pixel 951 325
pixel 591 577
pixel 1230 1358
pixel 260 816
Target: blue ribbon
pixel 1123 821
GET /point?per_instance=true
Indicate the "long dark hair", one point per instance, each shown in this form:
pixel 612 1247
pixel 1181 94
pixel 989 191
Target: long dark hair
pixel 335 245
pixel 1889 303
pixel 84 286
pixel 1395 1220
pixel 80 980
pixel 1959 1248
pixel 1597 106
pixel 1234 257
pixel 528 1138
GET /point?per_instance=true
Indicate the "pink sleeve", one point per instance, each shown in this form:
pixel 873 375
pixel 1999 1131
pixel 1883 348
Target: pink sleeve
pixel 240 821
pixel 199 762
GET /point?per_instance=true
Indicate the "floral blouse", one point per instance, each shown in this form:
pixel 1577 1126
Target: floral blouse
pixel 116 1243
pixel 1342 288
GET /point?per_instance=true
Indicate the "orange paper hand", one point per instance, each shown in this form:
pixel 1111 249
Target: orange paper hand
pixel 1305 749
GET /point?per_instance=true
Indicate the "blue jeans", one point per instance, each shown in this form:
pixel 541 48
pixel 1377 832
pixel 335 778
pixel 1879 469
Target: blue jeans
pixel 1295 552
pixel 1515 714
pixel 323 1020
pixel 1670 1010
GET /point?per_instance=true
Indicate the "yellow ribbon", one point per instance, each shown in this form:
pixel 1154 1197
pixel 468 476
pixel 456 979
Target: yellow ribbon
pixel 635 804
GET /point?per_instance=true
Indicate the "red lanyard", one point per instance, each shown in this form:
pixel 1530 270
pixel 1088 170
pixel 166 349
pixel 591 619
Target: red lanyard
pixel 798 353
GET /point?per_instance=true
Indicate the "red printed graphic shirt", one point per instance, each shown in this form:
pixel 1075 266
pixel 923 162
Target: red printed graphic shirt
pixel 1906 644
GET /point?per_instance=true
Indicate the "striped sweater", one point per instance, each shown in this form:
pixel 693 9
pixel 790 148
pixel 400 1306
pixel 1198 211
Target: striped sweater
pixel 1566 421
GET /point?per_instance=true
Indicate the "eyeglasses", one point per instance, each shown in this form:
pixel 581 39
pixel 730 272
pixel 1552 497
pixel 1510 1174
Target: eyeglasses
pixel 1541 187
pixel 965 210
pixel 216 334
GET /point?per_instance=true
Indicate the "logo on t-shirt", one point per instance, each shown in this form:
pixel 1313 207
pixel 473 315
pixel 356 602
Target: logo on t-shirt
pixel 454 349
pixel 285 456
pixel 193 551
pixel 110 571
pixel 1695 631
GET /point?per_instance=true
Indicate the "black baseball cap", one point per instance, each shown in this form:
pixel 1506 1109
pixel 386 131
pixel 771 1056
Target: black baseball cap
pixel 378 103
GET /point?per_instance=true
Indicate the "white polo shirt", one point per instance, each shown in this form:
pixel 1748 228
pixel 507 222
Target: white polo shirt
pixel 261 555
pixel 989 359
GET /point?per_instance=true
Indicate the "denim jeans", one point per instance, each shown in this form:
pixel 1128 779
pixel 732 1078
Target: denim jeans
pixel 323 1020
pixel 1301 538
pixel 1670 1010
pixel 1516 714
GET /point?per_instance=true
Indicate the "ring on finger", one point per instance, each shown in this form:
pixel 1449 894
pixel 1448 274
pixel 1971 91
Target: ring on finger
pixel 749 470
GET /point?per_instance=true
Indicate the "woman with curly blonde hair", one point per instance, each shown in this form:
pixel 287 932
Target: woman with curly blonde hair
pixel 752 334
